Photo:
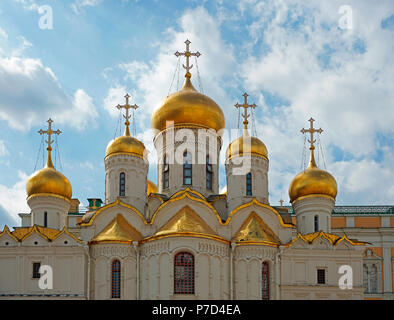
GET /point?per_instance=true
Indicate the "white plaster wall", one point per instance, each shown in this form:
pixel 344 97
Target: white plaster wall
pixel 136 170
pixel 306 209
pixel 236 180
pixel 173 143
pixel 57 209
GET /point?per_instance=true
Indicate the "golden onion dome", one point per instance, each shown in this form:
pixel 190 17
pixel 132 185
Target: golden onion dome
pixel 151 187
pixel 313 181
pixel 188 107
pixel 246 144
pixel 49 181
pixel 125 144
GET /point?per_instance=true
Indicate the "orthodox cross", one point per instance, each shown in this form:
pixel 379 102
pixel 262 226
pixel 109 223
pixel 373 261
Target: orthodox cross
pixel 311 130
pixel 245 106
pixel 187 54
pixel 49 132
pixel 127 116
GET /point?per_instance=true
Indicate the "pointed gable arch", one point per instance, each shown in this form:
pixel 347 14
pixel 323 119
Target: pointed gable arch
pixel 255 231
pixel 119 230
pixel 6 232
pixel 186 222
pixel 187 194
pixel 261 205
pixel 65 233
pixel 103 209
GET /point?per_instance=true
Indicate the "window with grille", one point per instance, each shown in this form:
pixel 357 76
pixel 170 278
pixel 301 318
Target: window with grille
pixel 209 173
pixel 115 279
pixel 187 168
pixel 321 276
pixel 316 221
pixel 184 273
pixel 122 184
pixel 265 281
pixel 36 270
pixel 370 278
pixel 166 172
pixel 249 184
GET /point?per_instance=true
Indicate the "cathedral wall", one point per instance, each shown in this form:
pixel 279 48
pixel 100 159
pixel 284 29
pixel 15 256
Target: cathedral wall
pixel 211 262
pixel 299 267
pixel 102 257
pixel 248 260
pixel 68 265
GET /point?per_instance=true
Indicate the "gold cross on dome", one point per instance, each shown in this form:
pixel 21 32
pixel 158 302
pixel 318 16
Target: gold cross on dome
pixel 49 132
pixel 49 142
pixel 127 116
pixel 187 54
pixel 311 130
pixel 245 106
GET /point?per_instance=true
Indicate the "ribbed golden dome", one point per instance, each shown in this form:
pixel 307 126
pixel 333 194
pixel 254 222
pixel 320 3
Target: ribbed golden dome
pixel 313 181
pixel 152 188
pixel 49 180
pixel 188 107
pixel 248 145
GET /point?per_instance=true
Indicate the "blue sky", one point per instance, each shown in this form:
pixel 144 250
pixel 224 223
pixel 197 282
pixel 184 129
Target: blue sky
pixel 294 58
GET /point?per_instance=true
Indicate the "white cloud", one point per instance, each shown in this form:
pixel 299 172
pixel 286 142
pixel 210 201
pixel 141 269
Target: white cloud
pixel 79 4
pixel 312 65
pixel 114 97
pixel 31 91
pixel 3 149
pixel 13 199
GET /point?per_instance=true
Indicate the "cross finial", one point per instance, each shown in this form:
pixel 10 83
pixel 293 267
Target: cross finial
pixel 49 142
pixel 127 116
pixel 245 106
pixel 187 54
pixel 311 130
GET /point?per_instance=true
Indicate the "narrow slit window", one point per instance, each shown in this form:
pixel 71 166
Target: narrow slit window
pixel 249 184
pixel 45 219
pixel 265 281
pixel 122 184
pixel 316 222
pixel 166 173
pixel 187 169
pixel 115 279
pixel 209 173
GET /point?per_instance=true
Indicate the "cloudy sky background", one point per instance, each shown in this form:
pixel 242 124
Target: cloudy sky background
pixel 295 59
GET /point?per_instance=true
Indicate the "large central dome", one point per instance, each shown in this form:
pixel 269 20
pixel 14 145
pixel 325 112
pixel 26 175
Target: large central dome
pixel 188 107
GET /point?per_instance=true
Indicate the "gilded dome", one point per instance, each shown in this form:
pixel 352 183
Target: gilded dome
pixel 49 180
pixel 248 145
pixel 188 107
pixel 125 144
pixel 313 181
pixel 152 188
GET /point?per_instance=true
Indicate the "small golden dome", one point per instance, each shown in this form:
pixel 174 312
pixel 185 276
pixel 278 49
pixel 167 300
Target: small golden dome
pixel 313 181
pixel 152 188
pixel 125 144
pixel 49 180
pixel 188 107
pixel 251 145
